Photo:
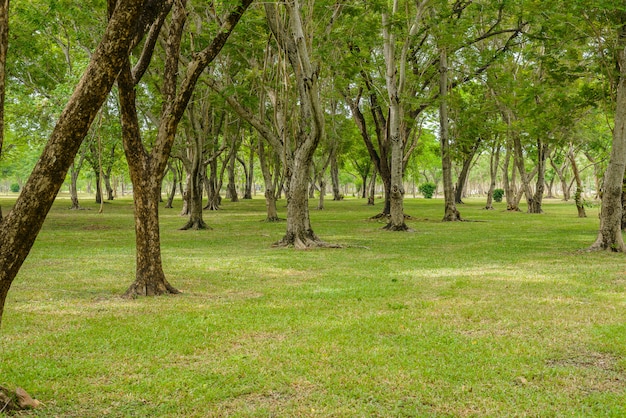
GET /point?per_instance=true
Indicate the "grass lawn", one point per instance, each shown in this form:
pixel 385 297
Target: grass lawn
pixel 502 316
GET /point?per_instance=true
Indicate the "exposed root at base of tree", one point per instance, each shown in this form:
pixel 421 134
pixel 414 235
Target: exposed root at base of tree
pixel 304 244
pixel 141 289
pixel 397 228
pixel 211 207
pixel 599 246
pixel 198 225
pixel 387 216
pixel 18 400
pixel 488 208
pixel 273 219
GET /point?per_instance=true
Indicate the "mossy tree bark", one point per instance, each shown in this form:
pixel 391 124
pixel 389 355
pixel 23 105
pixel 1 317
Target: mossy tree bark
pixel 148 168
pixel 610 233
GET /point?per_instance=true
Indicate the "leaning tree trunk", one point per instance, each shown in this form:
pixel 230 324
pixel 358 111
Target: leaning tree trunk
pixel 334 173
pixel 610 233
pixel 464 174
pixel 518 159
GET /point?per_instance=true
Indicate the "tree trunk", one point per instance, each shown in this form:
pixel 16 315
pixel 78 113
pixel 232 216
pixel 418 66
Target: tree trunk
pixel 334 173
pixel 493 171
pixel 396 195
pixel 4 44
pixel 534 206
pixel 195 222
pixel 512 204
pixel 451 213
pixel 372 188
pixel 610 233
pixel 292 41
pixel 459 192
pixel 74 172
pixel 172 193
pixel 231 187
pixel 270 186
pixel 579 185
pixel 320 205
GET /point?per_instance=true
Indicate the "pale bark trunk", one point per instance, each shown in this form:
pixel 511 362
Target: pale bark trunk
pixel 610 233
pixel 270 186
pixel 396 195
pixel 311 127
pixel 579 184
pixel 451 213
pixel 172 193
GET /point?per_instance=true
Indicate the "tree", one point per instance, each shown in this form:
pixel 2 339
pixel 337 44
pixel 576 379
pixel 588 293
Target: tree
pixel 4 43
pixel 147 167
pixel 610 233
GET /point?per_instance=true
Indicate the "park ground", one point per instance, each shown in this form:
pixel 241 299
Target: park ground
pixel 505 315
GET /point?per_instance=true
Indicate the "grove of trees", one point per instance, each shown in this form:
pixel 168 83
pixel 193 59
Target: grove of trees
pixel 292 95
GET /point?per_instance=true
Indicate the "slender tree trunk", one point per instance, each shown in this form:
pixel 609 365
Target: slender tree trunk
pixel 270 189
pixel 74 188
pixel 493 171
pixel 372 188
pixel 459 192
pixel 451 213
pixel 535 204
pixel 579 184
pixel 610 233
pixel 396 195
pixel 172 193
pixel 195 222
pixel 334 173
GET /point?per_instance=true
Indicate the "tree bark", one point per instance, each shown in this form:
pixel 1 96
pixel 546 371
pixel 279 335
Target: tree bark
pixel 535 204
pixel 579 184
pixel 396 201
pixel 299 233
pixel 493 171
pixel 451 213
pixel 21 226
pixel 610 233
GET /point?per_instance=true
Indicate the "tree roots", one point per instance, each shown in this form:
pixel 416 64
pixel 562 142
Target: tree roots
pixel 142 289
pixel 196 225
pixel 16 401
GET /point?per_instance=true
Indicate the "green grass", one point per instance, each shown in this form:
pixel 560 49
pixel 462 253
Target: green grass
pixel 504 316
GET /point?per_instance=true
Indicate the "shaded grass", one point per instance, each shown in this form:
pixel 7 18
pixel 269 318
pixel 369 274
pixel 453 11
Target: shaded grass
pixel 500 317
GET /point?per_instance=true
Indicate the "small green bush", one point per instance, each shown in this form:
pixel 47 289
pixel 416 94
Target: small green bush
pixel 15 187
pixel 498 194
pixel 427 190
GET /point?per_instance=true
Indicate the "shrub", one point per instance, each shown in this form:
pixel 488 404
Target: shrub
pixel 15 187
pixel 427 190
pixel 498 194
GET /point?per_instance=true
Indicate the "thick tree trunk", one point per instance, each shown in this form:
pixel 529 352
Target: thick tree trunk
pixel 610 233
pixel 21 226
pixel 518 158
pixel 149 277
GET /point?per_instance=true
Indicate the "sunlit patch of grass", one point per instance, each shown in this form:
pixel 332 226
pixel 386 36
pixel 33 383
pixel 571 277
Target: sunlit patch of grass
pixel 499 317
